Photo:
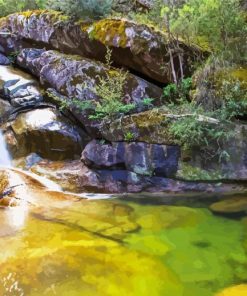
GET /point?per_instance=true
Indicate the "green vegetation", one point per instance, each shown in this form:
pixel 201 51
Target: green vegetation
pixel 110 89
pixel 129 136
pixel 11 6
pixel 82 8
pixel 192 173
pixel 207 130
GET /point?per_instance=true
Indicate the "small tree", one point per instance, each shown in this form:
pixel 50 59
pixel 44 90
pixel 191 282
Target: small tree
pixel 111 91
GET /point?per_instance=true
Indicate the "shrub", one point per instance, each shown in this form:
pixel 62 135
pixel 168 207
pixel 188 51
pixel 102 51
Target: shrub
pixel 82 8
pixel 174 92
pixel 199 129
pixel 111 91
pixel 208 130
pixel 11 6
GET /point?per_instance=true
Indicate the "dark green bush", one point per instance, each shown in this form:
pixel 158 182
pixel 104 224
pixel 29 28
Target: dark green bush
pixel 92 9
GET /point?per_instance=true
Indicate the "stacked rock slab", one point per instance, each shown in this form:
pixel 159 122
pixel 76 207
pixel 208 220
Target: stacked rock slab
pixel 138 47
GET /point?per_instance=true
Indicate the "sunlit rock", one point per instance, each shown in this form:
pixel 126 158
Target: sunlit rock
pixel 19 88
pixel 46 132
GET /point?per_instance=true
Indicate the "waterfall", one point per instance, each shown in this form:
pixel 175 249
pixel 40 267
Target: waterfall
pixel 5 159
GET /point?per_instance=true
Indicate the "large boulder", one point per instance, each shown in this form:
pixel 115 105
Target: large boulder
pixel 75 77
pixel 133 45
pixel 152 127
pixel 140 158
pixel 46 132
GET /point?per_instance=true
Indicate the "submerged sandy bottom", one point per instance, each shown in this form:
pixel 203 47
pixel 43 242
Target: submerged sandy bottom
pixel 54 244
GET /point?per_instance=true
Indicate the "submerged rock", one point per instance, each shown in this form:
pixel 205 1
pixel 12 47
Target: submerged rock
pixel 46 132
pixel 233 205
pixel 239 290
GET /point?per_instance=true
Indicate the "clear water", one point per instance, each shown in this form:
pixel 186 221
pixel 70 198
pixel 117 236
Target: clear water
pixel 5 159
pixel 112 247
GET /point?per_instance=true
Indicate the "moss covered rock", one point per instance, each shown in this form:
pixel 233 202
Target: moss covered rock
pixel 76 77
pixel 133 45
pixel 215 84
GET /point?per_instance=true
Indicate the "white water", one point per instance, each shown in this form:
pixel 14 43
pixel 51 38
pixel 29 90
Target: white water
pixel 5 159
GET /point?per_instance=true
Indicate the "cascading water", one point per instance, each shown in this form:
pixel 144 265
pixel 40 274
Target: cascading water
pixel 5 159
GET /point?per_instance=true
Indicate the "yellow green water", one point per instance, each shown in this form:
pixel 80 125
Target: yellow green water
pixel 112 247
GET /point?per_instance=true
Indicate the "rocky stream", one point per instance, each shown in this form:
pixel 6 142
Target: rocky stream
pixel 86 211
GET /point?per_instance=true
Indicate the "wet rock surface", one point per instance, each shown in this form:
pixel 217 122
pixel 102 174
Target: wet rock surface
pixel 19 88
pixel 76 177
pixel 234 205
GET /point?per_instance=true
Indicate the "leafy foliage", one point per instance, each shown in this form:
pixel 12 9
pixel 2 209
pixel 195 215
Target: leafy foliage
pixel 208 130
pixel 82 8
pixel 11 6
pixel 129 136
pixel 175 92
pixel 111 91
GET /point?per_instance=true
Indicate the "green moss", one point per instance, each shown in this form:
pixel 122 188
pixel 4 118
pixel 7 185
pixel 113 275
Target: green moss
pixel 191 173
pixel 109 32
pixel 53 15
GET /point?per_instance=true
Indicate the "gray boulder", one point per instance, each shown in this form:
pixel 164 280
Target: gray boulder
pixel 140 158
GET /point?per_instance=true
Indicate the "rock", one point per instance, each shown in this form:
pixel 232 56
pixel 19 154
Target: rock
pixel 20 88
pixel 209 83
pixel 152 127
pixel 70 175
pixel 76 177
pixel 4 60
pixel 46 132
pixel 140 158
pixel 138 47
pixel 27 162
pixel 75 77
pixel 149 126
pixel 5 108
pixel 239 290
pixel 233 205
